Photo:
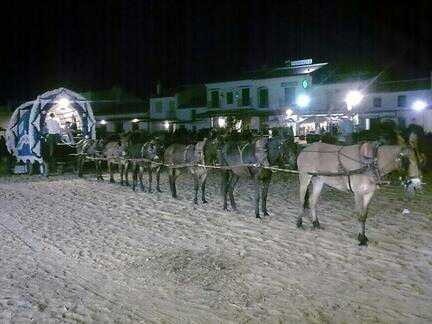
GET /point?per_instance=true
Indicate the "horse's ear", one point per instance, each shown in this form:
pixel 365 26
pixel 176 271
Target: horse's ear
pixel 413 140
pixel 400 140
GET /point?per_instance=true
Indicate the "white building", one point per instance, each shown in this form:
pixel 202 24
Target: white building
pixel 287 96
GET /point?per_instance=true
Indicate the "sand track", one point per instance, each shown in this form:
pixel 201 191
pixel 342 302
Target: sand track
pixel 78 250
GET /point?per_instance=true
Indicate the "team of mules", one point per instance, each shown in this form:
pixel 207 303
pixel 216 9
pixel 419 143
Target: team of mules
pixel 357 169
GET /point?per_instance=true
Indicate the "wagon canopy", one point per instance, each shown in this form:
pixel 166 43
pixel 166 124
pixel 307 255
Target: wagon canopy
pixel 26 127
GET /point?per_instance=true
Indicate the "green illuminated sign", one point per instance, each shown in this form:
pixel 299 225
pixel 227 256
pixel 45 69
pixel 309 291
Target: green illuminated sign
pixel 305 84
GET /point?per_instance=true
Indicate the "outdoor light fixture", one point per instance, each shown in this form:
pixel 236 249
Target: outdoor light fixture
pixel 303 100
pixel 221 122
pixel 135 120
pixel 353 98
pixel 166 124
pixel 289 112
pixel 103 122
pixel 419 105
pixel 63 103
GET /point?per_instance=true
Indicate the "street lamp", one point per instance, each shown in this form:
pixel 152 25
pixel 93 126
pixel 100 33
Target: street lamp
pixel 419 105
pixel 353 98
pixel 103 122
pixel 135 120
pixel 303 100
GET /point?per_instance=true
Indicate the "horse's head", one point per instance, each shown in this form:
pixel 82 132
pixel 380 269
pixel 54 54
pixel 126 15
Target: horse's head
pixel 150 150
pixel 211 150
pixel 283 153
pixel 409 162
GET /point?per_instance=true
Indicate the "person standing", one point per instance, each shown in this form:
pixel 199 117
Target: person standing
pixel 53 137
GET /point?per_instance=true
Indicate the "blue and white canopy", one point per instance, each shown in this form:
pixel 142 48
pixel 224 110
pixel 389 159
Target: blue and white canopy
pixel 26 126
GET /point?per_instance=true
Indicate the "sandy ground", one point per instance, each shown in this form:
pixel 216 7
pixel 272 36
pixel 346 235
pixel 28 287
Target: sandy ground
pixel 77 250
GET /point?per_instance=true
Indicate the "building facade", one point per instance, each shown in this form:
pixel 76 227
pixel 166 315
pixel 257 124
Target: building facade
pixel 288 96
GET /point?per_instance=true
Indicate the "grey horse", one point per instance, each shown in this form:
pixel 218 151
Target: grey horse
pixel 356 169
pixel 179 157
pixel 114 153
pixel 152 151
pixel 88 148
pixel 249 160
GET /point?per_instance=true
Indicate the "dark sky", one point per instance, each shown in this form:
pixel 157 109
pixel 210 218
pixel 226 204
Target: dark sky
pixel 97 44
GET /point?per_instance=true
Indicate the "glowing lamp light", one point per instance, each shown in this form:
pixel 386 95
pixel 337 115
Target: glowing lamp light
pixel 221 122
pixel 166 125
pixel 63 103
pixel 135 120
pixel 103 122
pixel 419 105
pixel 303 100
pixel 289 112
pixel 353 98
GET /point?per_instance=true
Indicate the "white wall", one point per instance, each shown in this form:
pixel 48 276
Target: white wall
pixel 389 107
pixel 275 86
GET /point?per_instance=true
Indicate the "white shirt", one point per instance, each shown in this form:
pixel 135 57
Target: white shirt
pixel 53 126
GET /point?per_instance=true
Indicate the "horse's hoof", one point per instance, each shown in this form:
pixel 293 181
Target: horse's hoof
pixel 266 213
pixel 299 223
pixel 121 184
pixel 127 184
pixel 112 181
pixel 204 201
pixel 258 216
pixel 362 239
pixel 195 201
pixel 133 188
pixel 316 224
pixel 158 190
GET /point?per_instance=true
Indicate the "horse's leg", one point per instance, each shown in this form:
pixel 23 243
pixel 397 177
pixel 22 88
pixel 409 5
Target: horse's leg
pixel 126 170
pixel 150 178
pixel 196 187
pixel 121 167
pixel 110 170
pixel 304 179
pixel 171 178
pixel 203 185
pixel 134 175
pixel 158 172
pixel 141 176
pixel 362 203
pixel 257 186
pixel 317 185
pixel 224 188
pixel 175 176
pixel 265 188
pixel 99 166
pixel 232 184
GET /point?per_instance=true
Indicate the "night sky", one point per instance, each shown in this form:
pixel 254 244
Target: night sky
pixel 98 44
